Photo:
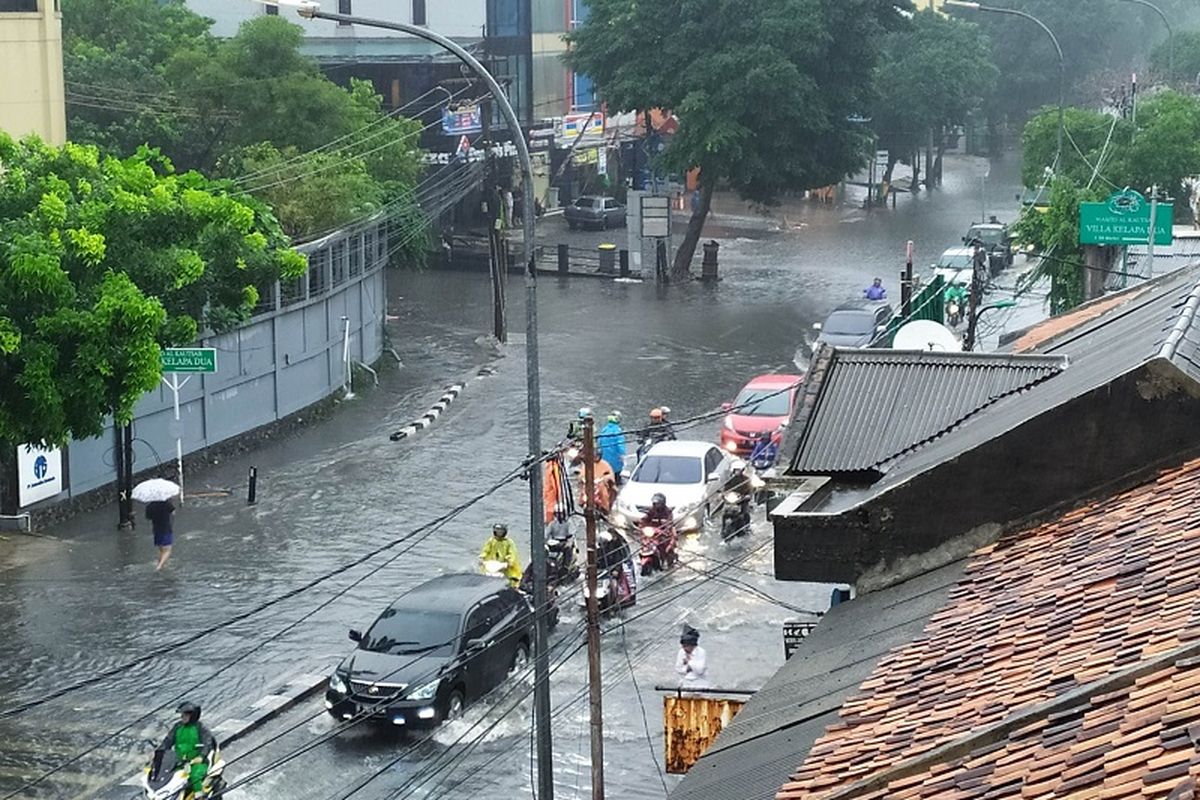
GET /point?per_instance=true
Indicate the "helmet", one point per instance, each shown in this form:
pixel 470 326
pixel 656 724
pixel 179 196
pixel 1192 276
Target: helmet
pixel 737 465
pixel 191 710
pixel 656 413
pixel 500 529
pixel 666 411
pixel 690 636
pixel 659 500
pixel 614 416
pixel 585 412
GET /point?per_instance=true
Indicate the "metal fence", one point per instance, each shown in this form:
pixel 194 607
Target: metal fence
pixel 286 357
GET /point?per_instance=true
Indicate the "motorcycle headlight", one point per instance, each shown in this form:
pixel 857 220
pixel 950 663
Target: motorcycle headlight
pixel 757 482
pixel 731 498
pixel 338 684
pixel 426 692
pixel 689 523
pixel 619 520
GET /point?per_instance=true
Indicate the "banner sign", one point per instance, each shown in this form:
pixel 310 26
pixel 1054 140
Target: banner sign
pixel 472 155
pixel 1124 218
pixel 587 128
pixel 794 633
pixel 464 119
pixel 39 474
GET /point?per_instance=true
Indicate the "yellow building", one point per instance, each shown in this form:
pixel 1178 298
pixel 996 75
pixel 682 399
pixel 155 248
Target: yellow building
pixel 31 70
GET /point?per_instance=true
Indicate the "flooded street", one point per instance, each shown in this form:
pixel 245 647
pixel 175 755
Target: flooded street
pixel 341 489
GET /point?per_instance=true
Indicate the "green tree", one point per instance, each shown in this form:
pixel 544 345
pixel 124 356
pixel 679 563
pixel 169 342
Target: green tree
pixel 1087 133
pixel 1054 233
pixel 932 74
pixel 764 91
pixel 104 260
pixel 1186 57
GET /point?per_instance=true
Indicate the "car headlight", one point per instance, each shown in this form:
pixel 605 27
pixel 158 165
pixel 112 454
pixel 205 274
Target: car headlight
pixel 689 523
pixel 729 423
pixel 338 684
pixel 426 692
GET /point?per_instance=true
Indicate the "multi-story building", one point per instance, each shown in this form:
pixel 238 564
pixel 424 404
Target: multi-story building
pixel 31 70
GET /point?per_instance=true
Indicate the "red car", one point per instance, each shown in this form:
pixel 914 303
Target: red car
pixel 765 404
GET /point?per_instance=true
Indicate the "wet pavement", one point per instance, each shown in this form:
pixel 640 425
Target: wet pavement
pixel 86 599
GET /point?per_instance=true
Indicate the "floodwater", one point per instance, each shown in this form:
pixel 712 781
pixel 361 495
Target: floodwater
pixel 334 492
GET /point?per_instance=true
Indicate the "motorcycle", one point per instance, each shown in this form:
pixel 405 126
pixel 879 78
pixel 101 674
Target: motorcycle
pixel 658 551
pixel 953 312
pixel 735 521
pixel 616 586
pixel 166 779
pixel 497 569
pixel 562 562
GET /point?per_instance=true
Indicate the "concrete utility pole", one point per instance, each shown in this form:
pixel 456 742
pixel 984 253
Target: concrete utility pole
pixel 1150 237
pixel 492 208
pixel 593 610
pixel 537 531
pixel 978 264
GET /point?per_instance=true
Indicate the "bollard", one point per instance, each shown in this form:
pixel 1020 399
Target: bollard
pixel 564 258
pixel 252 493
pixel 623 258
pixel 608 259
pixel 708 269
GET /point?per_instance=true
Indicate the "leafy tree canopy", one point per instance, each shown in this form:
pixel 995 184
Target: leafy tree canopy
pixel 104 260
pixel 764 91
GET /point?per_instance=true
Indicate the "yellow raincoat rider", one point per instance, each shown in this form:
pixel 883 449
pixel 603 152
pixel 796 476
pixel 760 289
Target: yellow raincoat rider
pixel 500 548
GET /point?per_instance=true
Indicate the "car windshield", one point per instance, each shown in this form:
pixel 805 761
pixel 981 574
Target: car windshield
pixel 849 323
pixel 986 235
pixel 668 469
pixel 955 261
pixel 763 402
pixel 585 202
pixel 402 632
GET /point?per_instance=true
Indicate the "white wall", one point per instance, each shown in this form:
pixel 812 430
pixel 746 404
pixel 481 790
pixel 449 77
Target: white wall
pixel 455 18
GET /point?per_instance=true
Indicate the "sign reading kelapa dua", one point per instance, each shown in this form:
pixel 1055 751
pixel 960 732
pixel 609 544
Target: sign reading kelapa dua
pixel 1124 218
pixel 189 359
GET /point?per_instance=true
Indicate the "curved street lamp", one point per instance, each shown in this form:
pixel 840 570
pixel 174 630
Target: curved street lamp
pixel 1062 63
pixel 312 10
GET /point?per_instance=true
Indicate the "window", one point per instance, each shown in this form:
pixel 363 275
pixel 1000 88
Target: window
pixel 272 11
pixel 18 6
pixel 850 323
pixel 712 462
pixel 419 12
pixel 481 620
pixel 669 469
pixel 579 12
pixel 344 8
pixel 583 93
pixel 400 632
pixel 504 18
pixel 763 403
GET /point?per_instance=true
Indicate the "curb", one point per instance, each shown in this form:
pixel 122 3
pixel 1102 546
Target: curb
pixel 435 411
pixel 241 721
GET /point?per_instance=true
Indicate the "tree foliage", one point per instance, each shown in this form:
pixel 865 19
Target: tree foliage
pixel 104 260
pixel 1053 230
pixel 933 73
pixel 1186 57
pixel 764 91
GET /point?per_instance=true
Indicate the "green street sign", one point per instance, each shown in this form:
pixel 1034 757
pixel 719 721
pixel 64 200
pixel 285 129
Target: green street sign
pixel 189 359
pixel 1124 218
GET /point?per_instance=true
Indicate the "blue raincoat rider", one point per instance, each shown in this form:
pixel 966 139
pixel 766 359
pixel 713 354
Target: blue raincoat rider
pixel 612 443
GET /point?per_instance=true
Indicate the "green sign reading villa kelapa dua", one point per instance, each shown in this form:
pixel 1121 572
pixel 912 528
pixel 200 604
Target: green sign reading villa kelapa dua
pixel 1124 218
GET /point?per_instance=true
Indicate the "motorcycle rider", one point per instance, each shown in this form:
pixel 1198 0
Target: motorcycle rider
pixel 659 515
pixel 765 451
pixel 612 444
pixel 956 293
pixel 606 484
pixel 575 429
pixel 193 743
pixel 659 430
pixel 500 548
pixel 739 483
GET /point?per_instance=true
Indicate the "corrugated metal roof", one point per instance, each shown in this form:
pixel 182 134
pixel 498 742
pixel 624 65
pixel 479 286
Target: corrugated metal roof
pixel 870 407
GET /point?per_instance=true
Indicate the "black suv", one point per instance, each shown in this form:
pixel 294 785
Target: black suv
pixel 996 241
pixel 433 651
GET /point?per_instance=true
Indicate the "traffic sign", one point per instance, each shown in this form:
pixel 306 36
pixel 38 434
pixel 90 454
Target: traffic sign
pixel 189 359
pixel 1124 218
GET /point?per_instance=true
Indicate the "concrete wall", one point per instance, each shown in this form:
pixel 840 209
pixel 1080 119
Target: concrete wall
pixel 454 18
pixel 282 360
pixel 31 70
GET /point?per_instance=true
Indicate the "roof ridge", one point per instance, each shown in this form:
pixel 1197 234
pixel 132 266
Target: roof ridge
pixel 1064 362
pixel 1185 320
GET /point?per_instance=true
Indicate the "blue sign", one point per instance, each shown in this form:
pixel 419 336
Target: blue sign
pixel 40 467
pixel 464 119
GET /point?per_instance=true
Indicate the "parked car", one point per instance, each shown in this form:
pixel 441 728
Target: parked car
pixel 763 404
pixel 857 324
pixel 593 211
pixel 434 651
pixel 996 240
pixel 689 474
pixel 955 265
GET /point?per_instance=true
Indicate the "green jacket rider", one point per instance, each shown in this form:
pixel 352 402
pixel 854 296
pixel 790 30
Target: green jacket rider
pixel 193 743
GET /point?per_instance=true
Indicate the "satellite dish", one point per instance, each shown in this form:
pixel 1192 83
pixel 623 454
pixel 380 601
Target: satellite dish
pixel 925 334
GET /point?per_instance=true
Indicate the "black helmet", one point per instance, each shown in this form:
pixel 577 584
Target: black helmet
pixel 500 529
pixel 191 710
pixel 659 500
pixel 689 636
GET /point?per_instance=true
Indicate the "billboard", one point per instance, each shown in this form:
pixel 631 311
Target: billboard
pixel 39 474
pixel 464 119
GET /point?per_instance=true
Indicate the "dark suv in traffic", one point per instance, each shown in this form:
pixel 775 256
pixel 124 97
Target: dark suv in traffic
pixel 433 651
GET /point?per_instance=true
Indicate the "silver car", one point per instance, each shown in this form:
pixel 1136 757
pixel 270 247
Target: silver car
pixel 593 211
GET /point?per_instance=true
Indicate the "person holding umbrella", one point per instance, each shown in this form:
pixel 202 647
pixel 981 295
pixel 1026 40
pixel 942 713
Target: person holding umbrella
pixel 157 493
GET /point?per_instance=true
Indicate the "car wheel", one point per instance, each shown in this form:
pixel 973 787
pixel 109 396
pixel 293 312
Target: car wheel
pixel 520 660
pixel 454 706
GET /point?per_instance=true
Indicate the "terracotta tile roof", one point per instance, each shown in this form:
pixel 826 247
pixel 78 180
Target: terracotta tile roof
pixel 1038 614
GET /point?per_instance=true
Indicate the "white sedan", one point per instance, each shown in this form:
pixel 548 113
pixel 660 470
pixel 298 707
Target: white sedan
pixel 689 474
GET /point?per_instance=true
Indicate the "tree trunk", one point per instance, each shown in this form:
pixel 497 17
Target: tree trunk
pixel 916 172
pixel 891 167
pixel 9 490
pixel 687 248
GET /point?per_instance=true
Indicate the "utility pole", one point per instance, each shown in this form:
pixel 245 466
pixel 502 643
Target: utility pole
pixel 491 207
pixel 978 264
pixel 906 285
pixel 593 611
pixel 1150 238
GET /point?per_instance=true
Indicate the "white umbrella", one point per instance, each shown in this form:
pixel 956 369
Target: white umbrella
pixel 155 489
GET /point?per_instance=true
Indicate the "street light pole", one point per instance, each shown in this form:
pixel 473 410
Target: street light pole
pixel 537 532
pixel 1170 34
pixel 1062 63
